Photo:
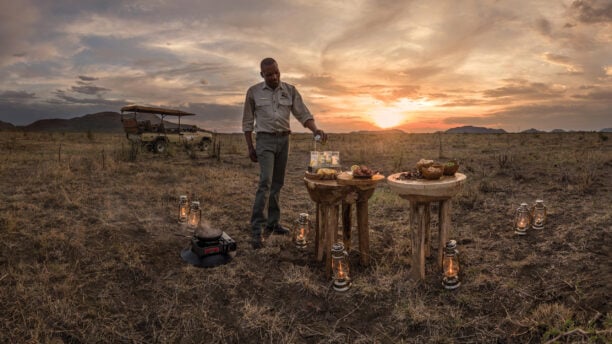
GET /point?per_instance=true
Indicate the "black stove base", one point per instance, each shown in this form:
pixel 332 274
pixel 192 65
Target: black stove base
pixel 206 261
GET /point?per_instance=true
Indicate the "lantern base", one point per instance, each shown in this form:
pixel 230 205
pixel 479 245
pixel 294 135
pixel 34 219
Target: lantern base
pixel 520 232
pixel 537 226
pixel 451 283
pixel 301 244
pixel 342 285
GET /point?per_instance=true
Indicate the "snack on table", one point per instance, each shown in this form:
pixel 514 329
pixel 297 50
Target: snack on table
pixel 450 168
pixel 362 171
pixel 432 172
pixel 327 173
pixel 424 163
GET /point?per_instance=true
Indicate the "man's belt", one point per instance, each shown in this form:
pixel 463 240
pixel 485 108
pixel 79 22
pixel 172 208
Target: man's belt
pixel 276 133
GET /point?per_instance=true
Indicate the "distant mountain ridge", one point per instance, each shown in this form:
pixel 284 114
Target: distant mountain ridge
pixel 109 122
pixel 6 126
pixel 469 129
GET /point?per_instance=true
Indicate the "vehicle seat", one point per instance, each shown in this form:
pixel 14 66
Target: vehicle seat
pixel 130 125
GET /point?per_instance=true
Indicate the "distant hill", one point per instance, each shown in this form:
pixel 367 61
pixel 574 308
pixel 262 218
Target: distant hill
pixel 557 131
pixel 98 122
pixel 6 126
pixel 606 130
pixel 468 129
pixel 532 131
pixel 106 122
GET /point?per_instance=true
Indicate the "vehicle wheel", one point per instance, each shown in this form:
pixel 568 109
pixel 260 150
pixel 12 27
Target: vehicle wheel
pixel 160 146
pixel 204 145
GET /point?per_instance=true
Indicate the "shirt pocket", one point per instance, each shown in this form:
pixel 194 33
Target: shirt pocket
pixel 263 102
pixel 285 101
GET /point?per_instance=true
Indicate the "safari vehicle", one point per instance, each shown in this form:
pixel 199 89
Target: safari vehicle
pixel 147 126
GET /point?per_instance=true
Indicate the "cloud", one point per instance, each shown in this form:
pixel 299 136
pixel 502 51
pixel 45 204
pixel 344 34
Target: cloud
pixel 543 26
pixel 525 90
pixel 225 118
pixel 63 98
pixel 596 95
pixel 87 78
pixel 11 96
pixel 562 60
pixel 591 11
pixel 577 115
pixel 17 26
pixel 88 89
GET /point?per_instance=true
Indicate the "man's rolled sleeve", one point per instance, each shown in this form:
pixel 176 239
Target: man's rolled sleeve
pixel 248 114
pixel 299 109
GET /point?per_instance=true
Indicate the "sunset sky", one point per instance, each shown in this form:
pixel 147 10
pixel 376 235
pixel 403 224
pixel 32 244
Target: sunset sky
pixel 419 66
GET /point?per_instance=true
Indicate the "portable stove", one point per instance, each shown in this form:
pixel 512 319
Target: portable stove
pixel 209 247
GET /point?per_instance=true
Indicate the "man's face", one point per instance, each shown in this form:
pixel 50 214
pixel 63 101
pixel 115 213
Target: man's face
pixel 271 75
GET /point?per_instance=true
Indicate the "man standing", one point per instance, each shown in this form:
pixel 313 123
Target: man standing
pixel 266 110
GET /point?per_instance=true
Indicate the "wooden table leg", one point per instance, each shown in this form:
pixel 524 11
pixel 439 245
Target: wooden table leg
pixel 426 225
pixel 317 229
pixel 364 232
pixel 417 222
pixel 347 214
pixel 330 231
pixel 444 216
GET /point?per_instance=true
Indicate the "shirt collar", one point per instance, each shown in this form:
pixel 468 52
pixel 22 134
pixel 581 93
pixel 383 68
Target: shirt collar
pixel 281 85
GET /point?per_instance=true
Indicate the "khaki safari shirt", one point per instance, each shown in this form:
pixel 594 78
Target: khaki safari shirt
pixel 267 110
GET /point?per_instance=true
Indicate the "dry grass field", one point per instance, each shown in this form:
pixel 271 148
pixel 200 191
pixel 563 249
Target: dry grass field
pixel 89 245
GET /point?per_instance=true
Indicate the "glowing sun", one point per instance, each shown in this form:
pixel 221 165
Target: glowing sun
pixel 387 119
pixel 396 113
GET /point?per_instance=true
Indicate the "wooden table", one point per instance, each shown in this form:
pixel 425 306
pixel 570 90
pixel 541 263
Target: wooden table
pixel 363 189
pixel 328 196
pixel 421 193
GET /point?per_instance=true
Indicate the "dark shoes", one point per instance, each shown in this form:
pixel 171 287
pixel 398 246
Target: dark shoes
pixel 277 230
pixel 257 243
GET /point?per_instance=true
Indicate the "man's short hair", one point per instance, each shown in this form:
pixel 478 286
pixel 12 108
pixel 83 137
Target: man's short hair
pixel 267 62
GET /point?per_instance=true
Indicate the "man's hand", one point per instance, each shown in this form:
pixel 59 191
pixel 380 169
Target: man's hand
pixel 252 154
pixel 321 133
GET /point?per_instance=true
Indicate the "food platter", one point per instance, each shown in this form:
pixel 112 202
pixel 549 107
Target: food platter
pixel 317 176
pixel 347 178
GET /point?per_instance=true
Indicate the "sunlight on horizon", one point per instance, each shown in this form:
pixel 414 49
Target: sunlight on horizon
pixel 397 113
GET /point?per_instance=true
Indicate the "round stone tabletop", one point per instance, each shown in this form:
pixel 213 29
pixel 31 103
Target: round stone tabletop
pixel 427 190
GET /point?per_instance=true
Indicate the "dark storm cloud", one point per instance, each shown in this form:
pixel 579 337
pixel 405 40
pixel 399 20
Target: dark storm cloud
pixel 87 78
pixel 89 89
pixel 215 112
pixel 224 118
pixel 12 96
pixel 64 98
pixel 525 90
pixel 543 26
pixel 596 95
pixel 592 11
pixel 576 115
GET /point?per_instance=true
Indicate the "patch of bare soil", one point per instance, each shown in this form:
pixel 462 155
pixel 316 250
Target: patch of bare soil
pixel 89 245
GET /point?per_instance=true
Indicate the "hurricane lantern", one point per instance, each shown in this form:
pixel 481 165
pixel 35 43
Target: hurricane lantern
pixel 183 209
pixel 538 214
pixel 195 214
pixel 522 219
pixel 302 230
pixel 450 266
pixel 340 267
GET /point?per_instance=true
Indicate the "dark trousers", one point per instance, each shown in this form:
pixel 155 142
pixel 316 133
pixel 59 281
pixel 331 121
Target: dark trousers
pixel 272 152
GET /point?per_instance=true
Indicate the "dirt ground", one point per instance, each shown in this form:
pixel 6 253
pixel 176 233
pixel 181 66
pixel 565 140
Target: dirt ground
pixel 90 247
